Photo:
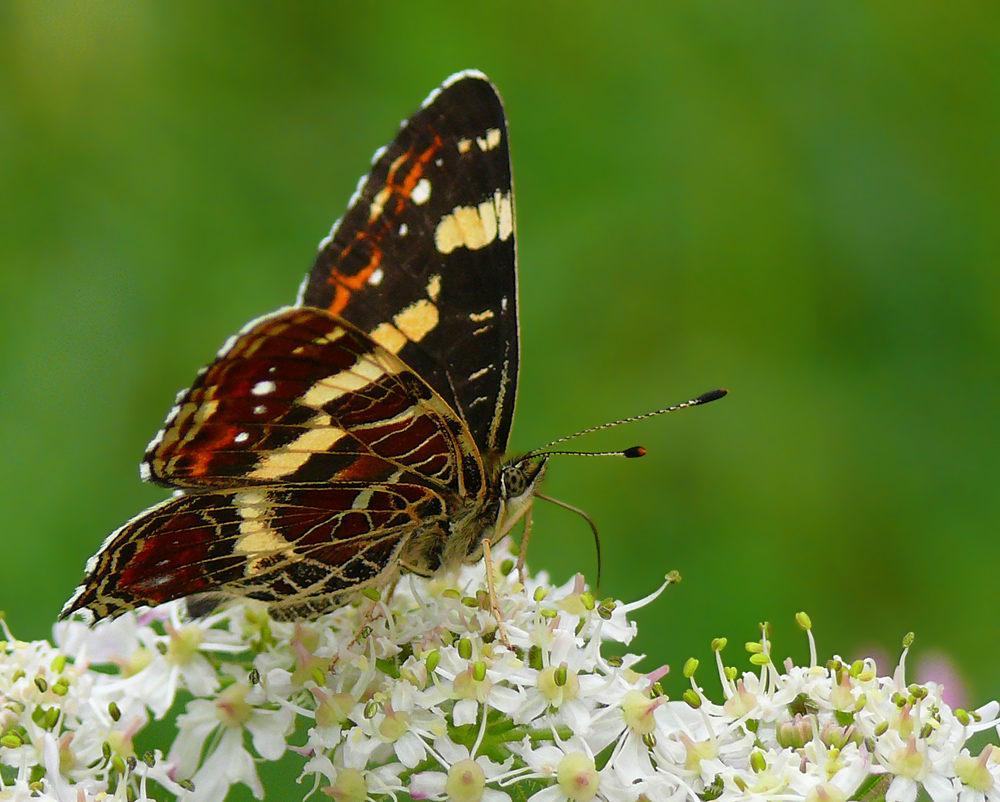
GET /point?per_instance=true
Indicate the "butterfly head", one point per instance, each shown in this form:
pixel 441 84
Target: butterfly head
pixel 520 478
pixel 519 481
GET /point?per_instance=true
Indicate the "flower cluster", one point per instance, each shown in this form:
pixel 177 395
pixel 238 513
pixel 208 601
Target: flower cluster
pixel 418 695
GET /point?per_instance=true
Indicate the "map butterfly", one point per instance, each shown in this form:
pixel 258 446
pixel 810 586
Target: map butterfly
pixel 361 433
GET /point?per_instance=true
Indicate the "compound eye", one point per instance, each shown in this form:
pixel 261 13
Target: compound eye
pixel 513 481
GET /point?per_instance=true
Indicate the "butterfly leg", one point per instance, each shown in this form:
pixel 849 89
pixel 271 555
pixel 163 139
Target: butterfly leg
pixel 494 603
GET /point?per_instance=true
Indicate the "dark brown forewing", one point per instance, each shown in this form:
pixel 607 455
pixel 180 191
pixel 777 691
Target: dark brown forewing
pixel 424 258
pixel 298 548
pixel 302 397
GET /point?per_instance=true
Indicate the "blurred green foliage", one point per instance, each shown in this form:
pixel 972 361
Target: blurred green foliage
pixel 797 201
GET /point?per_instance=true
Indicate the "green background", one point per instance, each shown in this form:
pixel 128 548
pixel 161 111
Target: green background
pixel 797 201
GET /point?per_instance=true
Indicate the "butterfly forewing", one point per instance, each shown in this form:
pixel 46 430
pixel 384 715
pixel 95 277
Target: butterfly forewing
pixel 300 396
pixel 423 259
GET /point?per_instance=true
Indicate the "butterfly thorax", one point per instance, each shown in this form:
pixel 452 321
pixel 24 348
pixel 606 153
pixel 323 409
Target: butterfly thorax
pixel 507 497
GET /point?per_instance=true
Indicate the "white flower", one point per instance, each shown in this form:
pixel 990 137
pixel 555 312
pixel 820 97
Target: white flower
pixel 466 777
pixel 574 772
pixel 228 761
pixel 417 694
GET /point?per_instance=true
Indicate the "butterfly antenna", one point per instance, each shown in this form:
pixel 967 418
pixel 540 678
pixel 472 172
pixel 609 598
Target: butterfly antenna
pixel 636 451
pixel 593 528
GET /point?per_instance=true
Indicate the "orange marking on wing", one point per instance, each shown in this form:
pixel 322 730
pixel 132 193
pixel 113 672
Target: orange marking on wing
pixel 416 173
pixel 341 295
pixel 344 285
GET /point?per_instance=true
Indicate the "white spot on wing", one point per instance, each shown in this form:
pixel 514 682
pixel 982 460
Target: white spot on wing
pixel 376 277
pixel 421 192
pixel 490 141
pixel 260 409
pixel 263 388
pixel 362 499
pixel 404 230
pixel 242 437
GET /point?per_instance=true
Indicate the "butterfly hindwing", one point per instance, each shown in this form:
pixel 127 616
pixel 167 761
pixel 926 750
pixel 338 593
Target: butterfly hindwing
pixel 424 257
pixel 297 548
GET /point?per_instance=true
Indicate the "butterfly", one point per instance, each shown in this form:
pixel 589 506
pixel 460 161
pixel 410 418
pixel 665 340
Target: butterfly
pixel 362 433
